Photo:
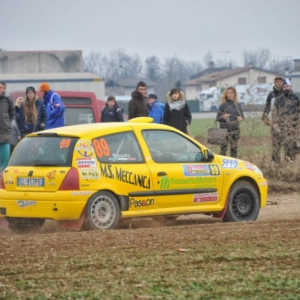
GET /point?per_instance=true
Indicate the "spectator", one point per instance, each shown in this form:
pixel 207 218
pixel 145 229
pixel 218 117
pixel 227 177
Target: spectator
pixel 7 111
pixel 156 109
pixel 55 108
pixel 15 136
pixel 285 117
pixel 112 112
pixel 18 103
pixel 230 115
pixel 33 116
pixel 137 106
pixel 177 112
pixel 275 136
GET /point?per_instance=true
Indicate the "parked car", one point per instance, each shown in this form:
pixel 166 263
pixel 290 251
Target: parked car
pixel 92 175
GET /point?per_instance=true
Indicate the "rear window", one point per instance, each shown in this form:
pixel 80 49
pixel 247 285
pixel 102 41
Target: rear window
pixel 79 115
pixel 44 151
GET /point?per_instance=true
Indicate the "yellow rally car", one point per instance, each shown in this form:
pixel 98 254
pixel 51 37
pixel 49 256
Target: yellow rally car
pixel 92 175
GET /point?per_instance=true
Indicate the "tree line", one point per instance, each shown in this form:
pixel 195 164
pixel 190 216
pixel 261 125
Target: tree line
pixel 172 71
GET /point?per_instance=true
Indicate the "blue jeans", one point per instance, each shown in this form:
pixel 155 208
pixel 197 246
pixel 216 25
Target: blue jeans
pixel 4 155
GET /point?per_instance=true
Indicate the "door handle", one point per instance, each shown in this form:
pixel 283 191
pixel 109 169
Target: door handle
pixel 161 174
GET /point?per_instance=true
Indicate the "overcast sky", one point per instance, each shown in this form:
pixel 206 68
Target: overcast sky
pixel 187 29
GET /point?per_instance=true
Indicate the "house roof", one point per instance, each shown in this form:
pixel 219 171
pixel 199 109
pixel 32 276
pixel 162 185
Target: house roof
pixel 208 71
pixel 129 83
pixel 214 76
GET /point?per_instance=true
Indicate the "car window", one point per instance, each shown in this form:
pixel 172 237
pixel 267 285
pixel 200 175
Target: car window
pixel 43 151
pixel 120 147
pixel 79 115
pixel 168 146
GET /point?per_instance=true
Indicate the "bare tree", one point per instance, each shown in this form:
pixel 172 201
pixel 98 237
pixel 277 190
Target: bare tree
pixel 208 59
pixel 93 63
pixel 258 58
pixel 153 68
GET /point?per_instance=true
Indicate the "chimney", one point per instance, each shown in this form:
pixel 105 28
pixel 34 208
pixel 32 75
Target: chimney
pixel 296 65
pixel 211 64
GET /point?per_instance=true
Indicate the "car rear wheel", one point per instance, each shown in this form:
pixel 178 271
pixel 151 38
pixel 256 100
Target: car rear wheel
pixel 25 225
pixel 243 203
pixel 102 212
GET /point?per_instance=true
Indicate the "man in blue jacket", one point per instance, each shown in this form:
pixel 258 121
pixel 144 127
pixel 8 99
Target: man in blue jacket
pixel 54 106
pixel 156 109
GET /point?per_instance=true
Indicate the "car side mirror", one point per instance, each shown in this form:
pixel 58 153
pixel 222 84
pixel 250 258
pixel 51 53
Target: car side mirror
pixel 208 155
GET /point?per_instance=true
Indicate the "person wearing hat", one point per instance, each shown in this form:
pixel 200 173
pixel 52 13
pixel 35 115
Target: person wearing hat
pixel 277 92
pixel 33 116
pixel 55 108
pixel 156 109
pixel 7 111
pixel 285 121
pixel 112 112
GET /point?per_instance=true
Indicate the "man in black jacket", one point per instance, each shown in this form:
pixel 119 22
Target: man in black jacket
pixel 285 119
pixel 7 110
pixel 275 136
pixel 137 106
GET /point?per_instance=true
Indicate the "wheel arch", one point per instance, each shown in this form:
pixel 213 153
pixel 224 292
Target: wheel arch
pixel 243 178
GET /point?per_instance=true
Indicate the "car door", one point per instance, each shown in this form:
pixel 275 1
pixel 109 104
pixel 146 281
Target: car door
pixel 181 177
pixel 124 171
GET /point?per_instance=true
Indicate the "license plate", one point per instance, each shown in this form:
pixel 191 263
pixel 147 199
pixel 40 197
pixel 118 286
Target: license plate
pixel 28 181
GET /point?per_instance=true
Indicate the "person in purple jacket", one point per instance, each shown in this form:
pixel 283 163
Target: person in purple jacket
pixel 55 108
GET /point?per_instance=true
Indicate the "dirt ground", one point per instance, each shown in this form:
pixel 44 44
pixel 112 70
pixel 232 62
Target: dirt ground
pixel 285 207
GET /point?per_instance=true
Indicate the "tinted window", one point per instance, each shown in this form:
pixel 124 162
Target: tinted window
pixel 43 151
pixel 78 101
pixel 80 115
pixel 168 146
pixel 120 147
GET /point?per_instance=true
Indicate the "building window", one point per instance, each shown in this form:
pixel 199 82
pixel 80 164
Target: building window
pixel 262 79
pixel 242 80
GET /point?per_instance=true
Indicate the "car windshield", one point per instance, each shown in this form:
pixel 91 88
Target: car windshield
pixel 43 151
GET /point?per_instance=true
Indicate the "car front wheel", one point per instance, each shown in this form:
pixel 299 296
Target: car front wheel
pixel 102 212
pixel 243 203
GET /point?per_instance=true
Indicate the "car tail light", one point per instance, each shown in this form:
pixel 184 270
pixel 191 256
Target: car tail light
pixel 2 186
pixel 71 181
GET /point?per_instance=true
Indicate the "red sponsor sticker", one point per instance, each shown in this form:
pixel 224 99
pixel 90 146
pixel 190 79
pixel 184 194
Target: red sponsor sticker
pixel 205 197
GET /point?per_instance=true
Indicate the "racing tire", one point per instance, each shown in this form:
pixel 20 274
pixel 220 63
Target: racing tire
pixel 102 212
pixel 243 203
pixel 25 225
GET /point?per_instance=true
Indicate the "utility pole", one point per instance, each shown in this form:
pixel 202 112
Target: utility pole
pixel 225 53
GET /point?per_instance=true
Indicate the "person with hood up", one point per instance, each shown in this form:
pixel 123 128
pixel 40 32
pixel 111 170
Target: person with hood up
pixel 177 112
pixel 55 108
pixel 7 112
pixel 156 109
pixel 137 106
pixel 285 119
pixel 230 115
pixel 112 112
pixel 33 116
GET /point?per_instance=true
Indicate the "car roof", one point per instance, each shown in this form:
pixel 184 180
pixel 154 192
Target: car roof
pixel 81 130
